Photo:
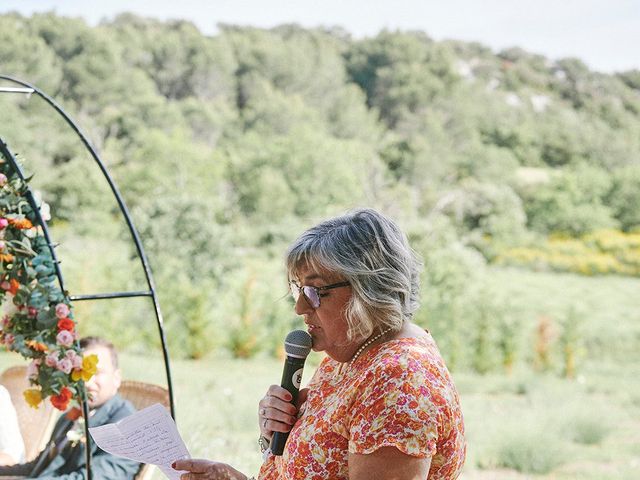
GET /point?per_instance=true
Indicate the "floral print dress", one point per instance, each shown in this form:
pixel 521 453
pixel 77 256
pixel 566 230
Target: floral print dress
pixel 398 393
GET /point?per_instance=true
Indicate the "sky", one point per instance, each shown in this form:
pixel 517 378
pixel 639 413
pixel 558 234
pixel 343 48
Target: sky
pixel 605 34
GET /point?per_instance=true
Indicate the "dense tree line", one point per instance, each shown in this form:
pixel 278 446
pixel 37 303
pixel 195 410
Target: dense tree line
pixel 226 146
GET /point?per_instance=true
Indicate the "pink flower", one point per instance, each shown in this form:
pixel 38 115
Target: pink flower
pixel 33 369
pixel 5 285
pixel 75 359
pixel 62 310
pixel 32 312
pixel 3 179
pixel 64 338
pixel 65 365
pixel 4 223
pixel 8 339
pixel 51 360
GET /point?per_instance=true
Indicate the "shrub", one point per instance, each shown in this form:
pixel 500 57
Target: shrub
pixel 536 451
pixel 601 252
pixel 449 283
pixel 586 429
pixel 242 339
pixel 544 339
pixel 571 342
pixel 508 329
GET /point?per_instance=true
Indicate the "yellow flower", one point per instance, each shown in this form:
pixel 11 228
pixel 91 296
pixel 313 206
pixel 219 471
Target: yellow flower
pixel 89 368
pixel 33 397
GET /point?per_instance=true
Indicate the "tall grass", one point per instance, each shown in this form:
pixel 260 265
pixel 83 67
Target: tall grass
pixel 516 424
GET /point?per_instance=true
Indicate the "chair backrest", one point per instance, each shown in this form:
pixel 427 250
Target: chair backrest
pixel 36 425
pixel 142 395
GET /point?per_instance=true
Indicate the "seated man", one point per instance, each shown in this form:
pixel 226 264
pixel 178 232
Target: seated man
pixel 11 444
pixel 64 456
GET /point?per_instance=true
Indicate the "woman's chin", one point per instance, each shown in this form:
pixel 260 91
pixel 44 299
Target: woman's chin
pixel 317 343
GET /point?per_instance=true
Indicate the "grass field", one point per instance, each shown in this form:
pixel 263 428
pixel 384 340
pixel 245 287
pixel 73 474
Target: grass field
pixel 525 425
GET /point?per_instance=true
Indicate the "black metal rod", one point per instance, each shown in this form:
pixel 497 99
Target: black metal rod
pixel 28 91
pixel 139 248
pixel 45 229
pixel 102 296
pixel 125 212
pixel 36 211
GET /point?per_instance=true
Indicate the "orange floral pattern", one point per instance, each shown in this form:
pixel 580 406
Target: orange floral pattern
pixel 397 394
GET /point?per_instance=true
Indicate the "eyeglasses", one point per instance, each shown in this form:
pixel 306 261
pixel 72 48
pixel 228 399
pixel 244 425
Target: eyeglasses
pixel 312 294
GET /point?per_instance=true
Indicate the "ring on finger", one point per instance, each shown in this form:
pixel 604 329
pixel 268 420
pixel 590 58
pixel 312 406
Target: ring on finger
pixel 263 412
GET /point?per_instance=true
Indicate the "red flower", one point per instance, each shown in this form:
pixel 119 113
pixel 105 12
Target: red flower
pixel 61 401
pixel 14 286
pixel 73 414
pixel 66 324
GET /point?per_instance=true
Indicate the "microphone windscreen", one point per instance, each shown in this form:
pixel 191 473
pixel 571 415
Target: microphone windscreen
pixel 298 344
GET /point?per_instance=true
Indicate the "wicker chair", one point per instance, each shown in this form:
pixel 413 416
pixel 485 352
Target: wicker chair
pixel 142 395
pixel 36 425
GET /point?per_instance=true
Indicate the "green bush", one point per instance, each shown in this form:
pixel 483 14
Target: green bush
pixel 587 429
pixel 536 452
pixel 573 202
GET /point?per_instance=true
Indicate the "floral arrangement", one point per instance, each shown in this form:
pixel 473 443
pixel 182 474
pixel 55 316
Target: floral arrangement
pixel 37 318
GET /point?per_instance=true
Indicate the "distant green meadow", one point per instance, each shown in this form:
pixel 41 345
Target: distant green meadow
pixel 525 424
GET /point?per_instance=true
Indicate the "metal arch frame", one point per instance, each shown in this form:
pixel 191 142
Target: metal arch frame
pixel 29 89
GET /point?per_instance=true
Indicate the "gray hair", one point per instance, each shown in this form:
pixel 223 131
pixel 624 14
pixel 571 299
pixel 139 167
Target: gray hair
pixel 369 251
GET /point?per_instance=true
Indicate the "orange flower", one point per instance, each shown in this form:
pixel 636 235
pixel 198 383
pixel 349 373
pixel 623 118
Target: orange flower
pixel 37 346
pixel 6 257
pixel 14 286
pixel 21 223
pixel 61 401
pixel 33 397
pixel 73 414
pixel 66 324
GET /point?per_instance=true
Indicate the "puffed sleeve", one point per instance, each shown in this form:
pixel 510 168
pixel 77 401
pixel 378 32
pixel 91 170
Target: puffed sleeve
pixel 396 407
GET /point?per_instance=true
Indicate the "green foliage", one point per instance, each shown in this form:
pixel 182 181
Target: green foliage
pixel 624 196
pixel 571 342
pixel 226 147
pixel 187 311
pixel 536 452
pixel 586 428
pixel 491 216
pixel 507 343
pixel 27 54
pixel 573 202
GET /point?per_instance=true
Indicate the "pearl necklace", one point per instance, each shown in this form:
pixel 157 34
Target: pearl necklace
pixel 369 342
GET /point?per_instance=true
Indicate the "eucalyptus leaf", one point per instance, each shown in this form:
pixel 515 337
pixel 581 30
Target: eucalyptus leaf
pixel 46 322
pixel 44 315
pixel 21 297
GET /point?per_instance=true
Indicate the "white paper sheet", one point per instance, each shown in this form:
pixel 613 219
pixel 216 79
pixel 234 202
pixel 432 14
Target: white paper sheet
pixel 148 436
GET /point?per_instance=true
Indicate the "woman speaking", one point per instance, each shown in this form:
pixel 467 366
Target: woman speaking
pixel 382 404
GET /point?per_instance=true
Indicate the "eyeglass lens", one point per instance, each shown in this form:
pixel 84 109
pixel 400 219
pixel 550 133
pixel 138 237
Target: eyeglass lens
pixel 309 293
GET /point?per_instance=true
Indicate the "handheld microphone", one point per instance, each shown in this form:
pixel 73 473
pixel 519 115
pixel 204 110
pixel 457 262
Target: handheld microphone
pixel 297 345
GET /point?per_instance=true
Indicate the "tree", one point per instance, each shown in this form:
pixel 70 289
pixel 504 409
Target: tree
pixel 624 196
pixel 572 202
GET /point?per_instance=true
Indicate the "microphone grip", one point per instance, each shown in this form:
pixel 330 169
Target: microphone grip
pixel 291 380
